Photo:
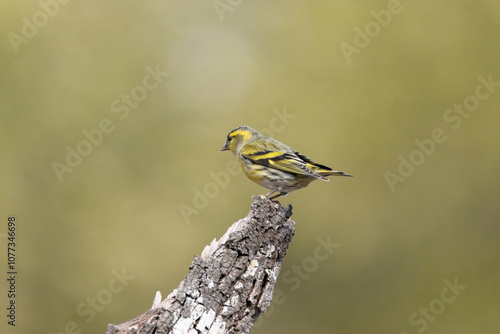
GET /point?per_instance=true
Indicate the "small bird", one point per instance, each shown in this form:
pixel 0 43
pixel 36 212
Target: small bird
pixel 274 165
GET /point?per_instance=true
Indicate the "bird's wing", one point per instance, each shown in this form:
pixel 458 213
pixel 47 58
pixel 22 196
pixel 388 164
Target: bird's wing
pixel 314 163
pixel 321 169
pixel 278 159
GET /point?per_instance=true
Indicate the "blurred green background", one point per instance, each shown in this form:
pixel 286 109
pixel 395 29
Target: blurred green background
pixel 353 85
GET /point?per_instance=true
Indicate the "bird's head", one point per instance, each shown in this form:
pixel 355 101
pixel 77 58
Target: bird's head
pixel 238 137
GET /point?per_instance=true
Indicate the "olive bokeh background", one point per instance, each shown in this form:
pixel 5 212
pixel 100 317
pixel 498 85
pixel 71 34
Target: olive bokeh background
pixel 113 114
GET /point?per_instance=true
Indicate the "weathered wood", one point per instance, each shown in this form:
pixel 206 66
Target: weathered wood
pixel 230 284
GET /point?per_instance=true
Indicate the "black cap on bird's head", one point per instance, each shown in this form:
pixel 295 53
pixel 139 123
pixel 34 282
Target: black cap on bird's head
pixel 238 136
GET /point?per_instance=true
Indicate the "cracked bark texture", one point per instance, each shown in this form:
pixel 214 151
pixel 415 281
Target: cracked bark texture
pixel 230 284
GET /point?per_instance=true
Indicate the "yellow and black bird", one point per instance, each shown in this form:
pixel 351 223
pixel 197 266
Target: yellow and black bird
pixel 274 165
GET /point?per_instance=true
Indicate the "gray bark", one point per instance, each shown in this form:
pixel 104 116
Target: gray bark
pixel 230 284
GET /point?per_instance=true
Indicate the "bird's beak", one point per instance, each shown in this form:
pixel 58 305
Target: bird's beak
pixel 225 147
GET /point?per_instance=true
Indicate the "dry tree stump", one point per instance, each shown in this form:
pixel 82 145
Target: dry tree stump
pixel 230 284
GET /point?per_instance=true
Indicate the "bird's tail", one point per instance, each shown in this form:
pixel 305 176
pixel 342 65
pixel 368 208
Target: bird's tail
pixel 333 172
pixel 321 170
